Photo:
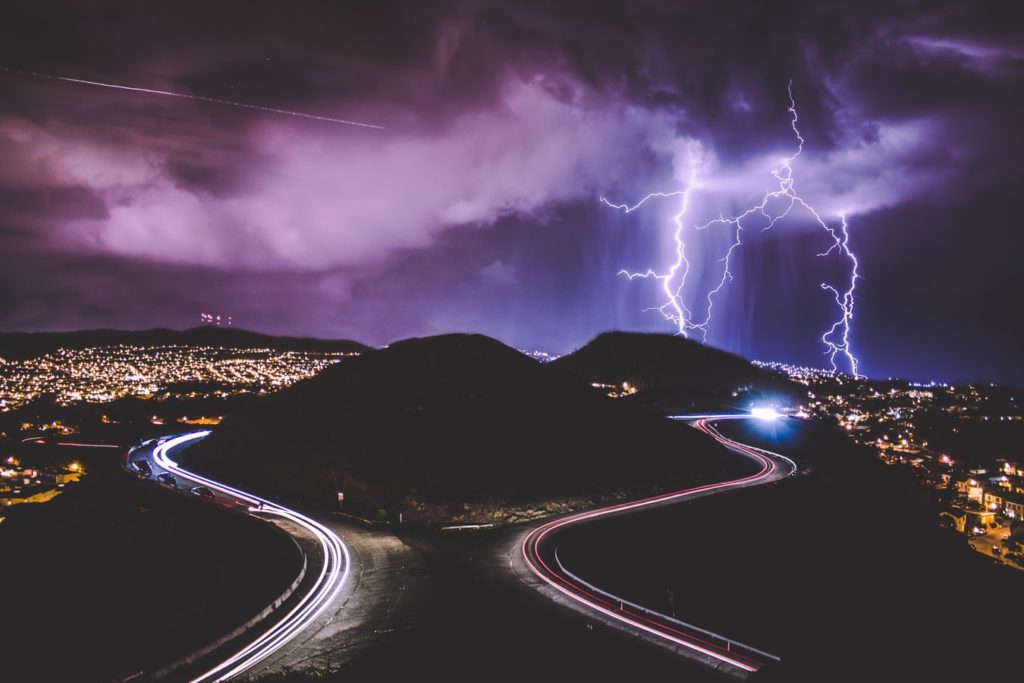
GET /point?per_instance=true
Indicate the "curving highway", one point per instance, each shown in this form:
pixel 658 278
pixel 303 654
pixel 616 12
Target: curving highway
pixel 540 553
pixel 323 591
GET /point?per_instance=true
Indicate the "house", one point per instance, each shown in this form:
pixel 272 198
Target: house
pixel 30 494
pixel 992 498
pixel 1013 505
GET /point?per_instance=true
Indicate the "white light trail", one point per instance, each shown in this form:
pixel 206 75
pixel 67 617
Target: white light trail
pixel 197 98
pixel 321 595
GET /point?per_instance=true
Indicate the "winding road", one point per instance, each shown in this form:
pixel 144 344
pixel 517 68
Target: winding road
pixel 537 557
pixel 332 575
pixel 539 552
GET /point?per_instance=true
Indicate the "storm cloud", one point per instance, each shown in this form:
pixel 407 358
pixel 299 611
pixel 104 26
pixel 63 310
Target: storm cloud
pixel 503 124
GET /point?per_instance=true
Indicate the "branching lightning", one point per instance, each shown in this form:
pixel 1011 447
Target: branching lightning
pixel 841 328
pixel 773 207
pixel 674 309
pixel 197 98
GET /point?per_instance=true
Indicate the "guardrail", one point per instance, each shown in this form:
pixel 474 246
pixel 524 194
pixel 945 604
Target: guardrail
pixel 241 629
pixel 362 520
pixel 730 645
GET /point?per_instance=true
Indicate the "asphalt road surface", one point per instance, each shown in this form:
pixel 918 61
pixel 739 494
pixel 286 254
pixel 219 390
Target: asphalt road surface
pixel 538 556
pixel 365 586
pixel 360 585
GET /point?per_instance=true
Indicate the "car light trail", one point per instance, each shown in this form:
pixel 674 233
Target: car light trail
pixel 661 626
pixel 325 589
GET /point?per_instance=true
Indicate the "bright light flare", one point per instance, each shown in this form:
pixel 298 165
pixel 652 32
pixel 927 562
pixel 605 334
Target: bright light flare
pixel 763 413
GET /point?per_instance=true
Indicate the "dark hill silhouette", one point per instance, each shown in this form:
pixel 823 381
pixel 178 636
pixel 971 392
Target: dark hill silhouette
pixel 670 369
pixel 452 427
pixel 19 345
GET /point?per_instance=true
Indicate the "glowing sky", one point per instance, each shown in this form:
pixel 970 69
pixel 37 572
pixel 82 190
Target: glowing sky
pixel 476 208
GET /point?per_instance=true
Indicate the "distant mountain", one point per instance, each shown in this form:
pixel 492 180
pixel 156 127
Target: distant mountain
pixel 456 427
pixel 19 345
pixel 671 369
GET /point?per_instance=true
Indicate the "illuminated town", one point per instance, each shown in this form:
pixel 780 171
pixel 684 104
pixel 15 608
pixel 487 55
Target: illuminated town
pixel 615 390
pixel 105 374
pixel 38 484
pixel 71 378
pixel 933 429
pixel 539 356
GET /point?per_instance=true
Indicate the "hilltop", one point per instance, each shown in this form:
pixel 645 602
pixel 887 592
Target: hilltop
pixel 21 345
pixel 449 428
pixel 672 371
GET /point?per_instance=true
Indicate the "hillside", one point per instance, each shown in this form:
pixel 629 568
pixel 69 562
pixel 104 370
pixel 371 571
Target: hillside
pixel 456 427
pixel 20 345
pixel 673 371
pixel 165 574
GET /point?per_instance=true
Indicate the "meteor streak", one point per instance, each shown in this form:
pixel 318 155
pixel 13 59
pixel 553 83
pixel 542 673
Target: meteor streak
pixel 198 98
pixel 837 337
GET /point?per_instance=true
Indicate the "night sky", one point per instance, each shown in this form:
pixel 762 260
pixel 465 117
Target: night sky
pixel 477 208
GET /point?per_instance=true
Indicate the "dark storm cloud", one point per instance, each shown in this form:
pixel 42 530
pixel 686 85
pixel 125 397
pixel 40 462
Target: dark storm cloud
pixel 505 121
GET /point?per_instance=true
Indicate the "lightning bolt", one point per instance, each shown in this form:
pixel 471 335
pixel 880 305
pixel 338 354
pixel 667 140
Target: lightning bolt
pixel 840 329
pixel 198 98
pixel 773 207
pixel 672 281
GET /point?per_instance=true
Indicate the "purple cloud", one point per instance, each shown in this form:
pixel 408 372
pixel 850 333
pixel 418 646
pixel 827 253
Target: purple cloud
pixel 321 199
pixel 498 274
pixel 505 123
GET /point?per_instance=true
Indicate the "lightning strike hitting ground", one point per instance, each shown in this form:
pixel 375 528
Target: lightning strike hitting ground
pixel 837 338
pixel 674 309
pixel 198 98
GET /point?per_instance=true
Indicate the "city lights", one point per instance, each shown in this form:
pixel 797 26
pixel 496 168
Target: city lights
pixel 916 425
pixel 108 373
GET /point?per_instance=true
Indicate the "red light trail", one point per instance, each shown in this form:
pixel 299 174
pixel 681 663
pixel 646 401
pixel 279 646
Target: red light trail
pixel 661 626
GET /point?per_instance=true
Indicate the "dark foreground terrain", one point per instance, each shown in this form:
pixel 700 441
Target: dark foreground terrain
pixel 117 575
pixel 452 428
pixel 483 623
pixel 675 374
pixel 842 572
